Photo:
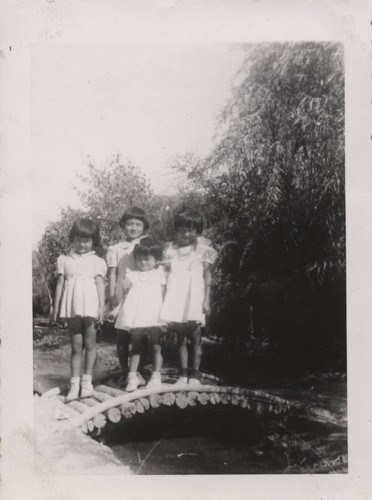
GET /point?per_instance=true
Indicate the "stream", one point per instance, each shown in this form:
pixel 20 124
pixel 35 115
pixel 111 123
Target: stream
pixel 227 440
pixel 221 440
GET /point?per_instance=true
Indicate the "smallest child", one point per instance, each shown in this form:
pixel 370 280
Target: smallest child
pixel 138 312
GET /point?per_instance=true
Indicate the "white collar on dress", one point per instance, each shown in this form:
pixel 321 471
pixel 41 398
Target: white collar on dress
pixel 128 244
pixel 201 241
pixel 75 255
pixel 123 244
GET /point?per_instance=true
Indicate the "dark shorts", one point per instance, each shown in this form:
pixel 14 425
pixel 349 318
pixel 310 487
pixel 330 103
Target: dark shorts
pixel 190 330
pixel 154 332
pixel 123 333
pixel 79 324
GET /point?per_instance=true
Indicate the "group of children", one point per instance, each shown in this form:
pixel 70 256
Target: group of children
pixel 150 286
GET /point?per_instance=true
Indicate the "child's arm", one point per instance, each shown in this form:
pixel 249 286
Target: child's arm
pixel 163 274
pixel 112 315
pixel 100 284
pixel 111 275
pixel 57 296
pixel 207 289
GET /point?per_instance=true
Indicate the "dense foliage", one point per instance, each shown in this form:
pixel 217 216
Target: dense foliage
pixel 274 195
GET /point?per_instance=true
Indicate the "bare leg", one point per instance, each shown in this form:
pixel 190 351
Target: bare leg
pixel 137 341
pixel 122 344
pixel 90 349
pixel 76 354
pixel 134 362
pixel 157 359
pixel 144 351
pixel 196 348
pixel 182 349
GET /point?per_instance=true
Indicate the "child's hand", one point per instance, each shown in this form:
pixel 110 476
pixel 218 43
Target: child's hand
pixel 112 302
pixel 111 316
pixel 101 315
pixel 206 307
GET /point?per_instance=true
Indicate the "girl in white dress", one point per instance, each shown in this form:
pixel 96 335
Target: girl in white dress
pixel 80 300
pixel 139 311
pixel 119 258
pixel 187 301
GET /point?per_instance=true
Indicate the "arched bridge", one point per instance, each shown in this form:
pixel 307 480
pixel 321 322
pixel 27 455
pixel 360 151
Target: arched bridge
pixel 110 406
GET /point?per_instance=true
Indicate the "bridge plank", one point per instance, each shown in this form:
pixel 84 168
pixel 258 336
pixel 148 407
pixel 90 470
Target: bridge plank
pixel 139 406
pixel 244 403
pixel 235 399
pixel 99 420
pixel 225 398
pixel 260 408
pixel 101 396
pixel 90 402
pixel 145 403
pixel 127 410
pixel 78 406
pixel 110 390
pixel 114 415
pixel 87 427
pixel 193 398
pixel 155 400
pixel 168 398
pixel 181 400
pixel 212 398
pixel 203 398
pixel 255 400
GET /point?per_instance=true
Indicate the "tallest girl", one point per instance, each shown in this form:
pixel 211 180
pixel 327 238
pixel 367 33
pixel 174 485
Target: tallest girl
pixel 187 300
pixel 119 257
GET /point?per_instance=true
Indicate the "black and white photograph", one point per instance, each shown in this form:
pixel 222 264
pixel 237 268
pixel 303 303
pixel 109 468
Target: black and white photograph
pixel 189 235
pixel 210 205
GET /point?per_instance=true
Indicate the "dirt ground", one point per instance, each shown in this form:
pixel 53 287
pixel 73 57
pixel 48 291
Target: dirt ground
pixel 58 448
pixel 62 450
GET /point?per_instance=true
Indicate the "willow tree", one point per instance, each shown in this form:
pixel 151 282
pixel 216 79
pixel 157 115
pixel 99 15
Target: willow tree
pixel 275 194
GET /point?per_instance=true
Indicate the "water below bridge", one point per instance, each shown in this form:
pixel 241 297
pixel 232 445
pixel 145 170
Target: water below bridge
pixel 230 441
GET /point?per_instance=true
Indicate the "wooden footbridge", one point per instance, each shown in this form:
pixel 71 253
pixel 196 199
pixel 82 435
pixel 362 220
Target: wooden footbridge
pixel 110 406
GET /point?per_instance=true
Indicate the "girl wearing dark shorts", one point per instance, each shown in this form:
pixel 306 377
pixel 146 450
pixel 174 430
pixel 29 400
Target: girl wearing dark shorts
pixel 80 300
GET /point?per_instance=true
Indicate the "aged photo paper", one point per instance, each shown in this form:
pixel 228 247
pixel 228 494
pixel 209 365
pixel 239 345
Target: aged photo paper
pixel 44 45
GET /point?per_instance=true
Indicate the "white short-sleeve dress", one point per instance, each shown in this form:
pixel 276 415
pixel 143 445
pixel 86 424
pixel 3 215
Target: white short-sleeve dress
pixel 185 287
pixel 115 252
pixel 142 305
pixel 121 257
pixel 79 294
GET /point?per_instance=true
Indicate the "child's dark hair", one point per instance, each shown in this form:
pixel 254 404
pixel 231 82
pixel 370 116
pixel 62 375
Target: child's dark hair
pixel 190 218
pixel 148 247
pixel 134 213
pixel 85 228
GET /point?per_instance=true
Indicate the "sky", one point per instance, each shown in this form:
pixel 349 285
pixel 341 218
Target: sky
pixel 147 102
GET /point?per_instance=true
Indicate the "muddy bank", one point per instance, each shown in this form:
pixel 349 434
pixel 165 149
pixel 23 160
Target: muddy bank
pixel 58 449
pixel 52 364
